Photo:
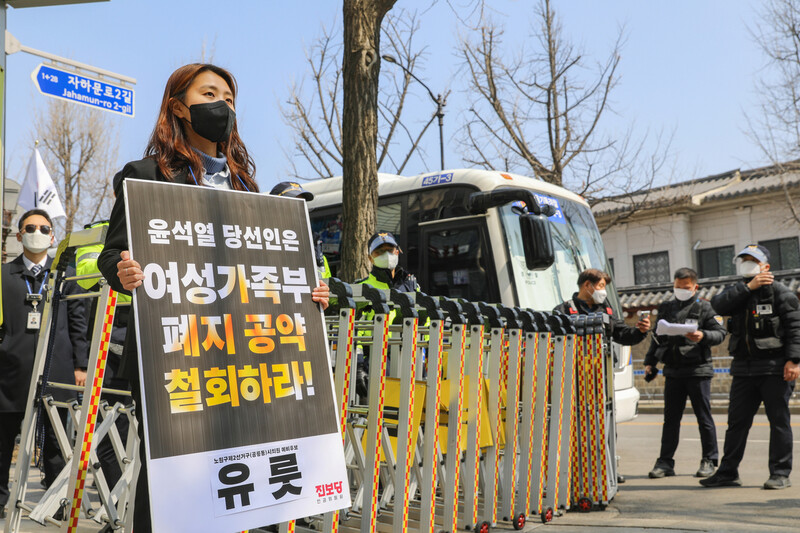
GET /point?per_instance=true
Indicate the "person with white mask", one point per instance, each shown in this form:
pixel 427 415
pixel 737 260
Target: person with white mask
pixel 24 290
pixel 687 371
pixel 384 254
pixel 765 345
pixel 592 297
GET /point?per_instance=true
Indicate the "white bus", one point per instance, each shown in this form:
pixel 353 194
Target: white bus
pixel 463 245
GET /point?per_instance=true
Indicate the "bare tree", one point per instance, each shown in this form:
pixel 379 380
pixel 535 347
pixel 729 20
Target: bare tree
pixel 313 110
pixel 538 110
pixel 360 73
pixel 79 148
pixel 775 125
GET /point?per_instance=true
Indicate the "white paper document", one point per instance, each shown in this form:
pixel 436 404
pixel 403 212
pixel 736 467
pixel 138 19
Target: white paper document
pixel 668 328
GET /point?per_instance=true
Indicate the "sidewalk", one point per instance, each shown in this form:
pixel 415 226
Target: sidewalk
pixel 35 493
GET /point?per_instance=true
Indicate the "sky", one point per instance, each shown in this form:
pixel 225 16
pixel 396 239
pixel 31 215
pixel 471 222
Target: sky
pixel 687 67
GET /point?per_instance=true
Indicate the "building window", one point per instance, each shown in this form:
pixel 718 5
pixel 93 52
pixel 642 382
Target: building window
pixel 716 262
pixel 783 253
pixel 611 266
pixel 651 268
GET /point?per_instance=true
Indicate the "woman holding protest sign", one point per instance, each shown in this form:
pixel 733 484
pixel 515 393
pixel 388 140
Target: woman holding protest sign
pixel 195 142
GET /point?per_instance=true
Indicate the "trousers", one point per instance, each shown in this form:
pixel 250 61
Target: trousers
pixel 747 393
pixel 698 390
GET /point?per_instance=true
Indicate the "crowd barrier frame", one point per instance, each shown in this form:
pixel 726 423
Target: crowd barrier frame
pixel 503 414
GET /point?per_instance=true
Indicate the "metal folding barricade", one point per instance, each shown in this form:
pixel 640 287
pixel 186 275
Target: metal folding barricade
pixel 594 482
pixel 475 415
pixel 67 493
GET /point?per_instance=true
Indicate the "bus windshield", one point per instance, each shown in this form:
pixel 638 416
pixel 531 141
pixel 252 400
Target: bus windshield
pixel 577 245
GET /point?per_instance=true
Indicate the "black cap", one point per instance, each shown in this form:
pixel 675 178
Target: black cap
pixel 291 190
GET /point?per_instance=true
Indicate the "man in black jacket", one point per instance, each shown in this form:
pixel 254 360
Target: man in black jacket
pixel 592 298
pixel 688 371
pixel 765 345
pixel 24 280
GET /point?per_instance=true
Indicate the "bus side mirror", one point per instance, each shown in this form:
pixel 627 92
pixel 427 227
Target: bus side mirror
pixel 537 241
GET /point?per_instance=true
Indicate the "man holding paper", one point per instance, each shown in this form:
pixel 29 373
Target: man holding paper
pixel 687 329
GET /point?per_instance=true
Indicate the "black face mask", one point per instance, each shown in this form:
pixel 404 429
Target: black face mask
pixel 213 121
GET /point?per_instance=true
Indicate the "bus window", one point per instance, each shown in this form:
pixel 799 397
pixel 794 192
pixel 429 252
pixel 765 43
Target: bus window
pixel 457 262
pixel 390 218
pixel 329 228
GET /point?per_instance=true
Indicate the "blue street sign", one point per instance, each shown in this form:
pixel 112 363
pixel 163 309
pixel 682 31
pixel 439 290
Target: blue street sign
pixel 66 85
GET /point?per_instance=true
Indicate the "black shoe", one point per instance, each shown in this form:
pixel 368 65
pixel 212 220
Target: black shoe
pixel 59 514
pixel 362 382
pixel 721 480
pixel 706 468
pixel 776 482
pixel 2 512
pixel 661 470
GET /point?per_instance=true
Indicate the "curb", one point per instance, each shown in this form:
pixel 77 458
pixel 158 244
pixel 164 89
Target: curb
pixel 656 407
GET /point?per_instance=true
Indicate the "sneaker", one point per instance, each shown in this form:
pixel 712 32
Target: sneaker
pixel 661 470
pixel 721 480
pixel 706 468
pixel 776 482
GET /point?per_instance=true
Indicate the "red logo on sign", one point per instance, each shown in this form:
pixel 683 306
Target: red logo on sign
pixel 328 489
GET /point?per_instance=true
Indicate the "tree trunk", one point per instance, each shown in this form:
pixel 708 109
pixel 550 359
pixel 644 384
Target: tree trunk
pixel 360 69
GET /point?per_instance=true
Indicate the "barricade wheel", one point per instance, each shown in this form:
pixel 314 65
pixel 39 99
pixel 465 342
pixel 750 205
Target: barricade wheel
pixel 584 505
pixel 519 521
pixel 547 516
pixel 483 527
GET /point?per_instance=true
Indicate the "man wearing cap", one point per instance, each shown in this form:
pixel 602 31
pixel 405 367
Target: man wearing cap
pixel 765 346
pixel 384 254
pixel 291 189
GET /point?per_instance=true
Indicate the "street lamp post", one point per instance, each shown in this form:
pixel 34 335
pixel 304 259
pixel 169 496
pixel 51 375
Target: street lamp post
pixel 439 100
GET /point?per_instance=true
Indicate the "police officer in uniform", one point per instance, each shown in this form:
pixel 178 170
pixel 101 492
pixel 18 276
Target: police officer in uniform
pixel 592 298
pixel 765 344
pixel 384 254
pixel 688 371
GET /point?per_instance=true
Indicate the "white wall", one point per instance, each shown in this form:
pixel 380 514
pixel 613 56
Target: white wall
pixel 712 226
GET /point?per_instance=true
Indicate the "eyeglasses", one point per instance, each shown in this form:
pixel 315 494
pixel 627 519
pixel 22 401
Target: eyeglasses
pixel 44 228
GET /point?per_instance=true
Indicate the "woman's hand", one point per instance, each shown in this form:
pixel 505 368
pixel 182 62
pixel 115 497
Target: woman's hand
pixel 321 294
pixel 129 272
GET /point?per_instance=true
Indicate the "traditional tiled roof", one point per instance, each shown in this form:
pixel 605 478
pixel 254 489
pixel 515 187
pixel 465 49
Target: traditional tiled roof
pixel 704 190
pixel 650 296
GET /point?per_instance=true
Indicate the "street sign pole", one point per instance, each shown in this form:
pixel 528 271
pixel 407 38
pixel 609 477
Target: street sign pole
pixel 2 144
pixel 17 4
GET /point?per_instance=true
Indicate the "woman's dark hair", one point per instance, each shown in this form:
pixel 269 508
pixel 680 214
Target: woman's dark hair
pixel 169 146
pixel 594 275
pixel 30 213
